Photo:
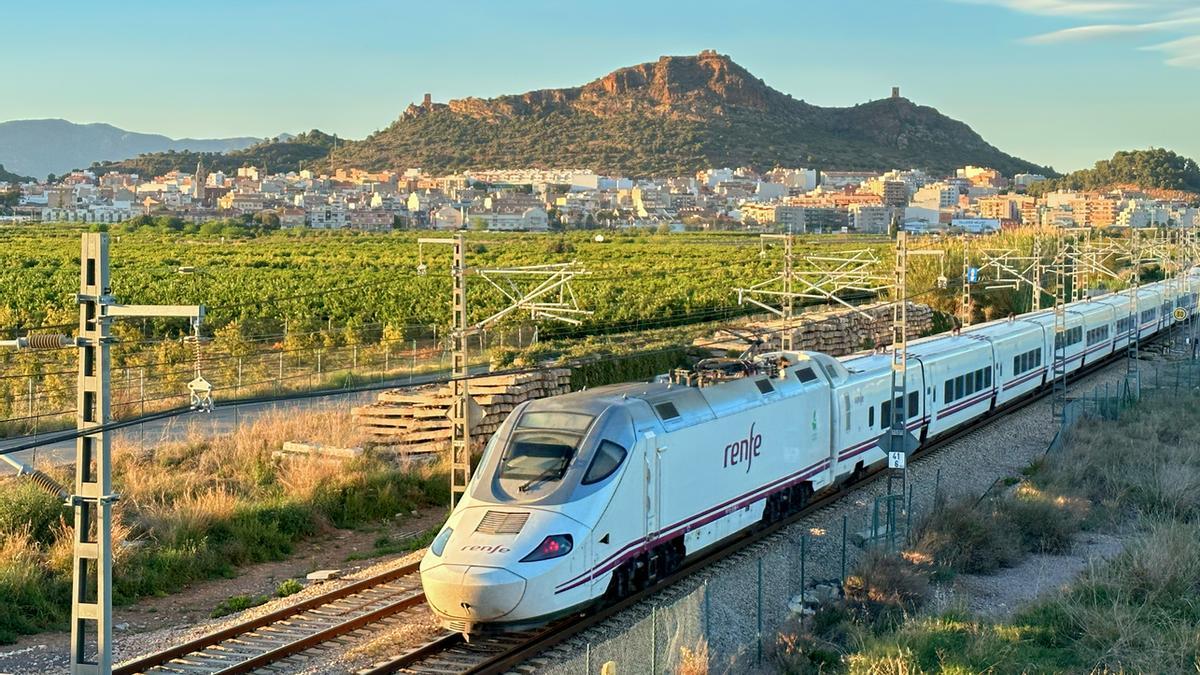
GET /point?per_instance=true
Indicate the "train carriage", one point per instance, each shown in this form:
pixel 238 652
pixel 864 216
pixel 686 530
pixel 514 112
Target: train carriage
pixel 1098 329
pixel 1068 346
pixel 1018 353
pixel 1121 305
pixel 1147 306
pixel 959 379
pixel 863 412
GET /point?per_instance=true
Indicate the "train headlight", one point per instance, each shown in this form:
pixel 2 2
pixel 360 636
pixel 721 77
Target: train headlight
pixel 554 546
pixel 439 543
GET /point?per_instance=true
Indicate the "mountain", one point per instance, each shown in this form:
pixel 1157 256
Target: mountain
pixel 672 116
pixel 10 177
pixel 1154 169
pixel 40 147
pixel 285 153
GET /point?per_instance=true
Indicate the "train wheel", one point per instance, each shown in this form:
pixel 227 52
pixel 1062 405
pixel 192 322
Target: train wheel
pixel 804 495
pixel 622 581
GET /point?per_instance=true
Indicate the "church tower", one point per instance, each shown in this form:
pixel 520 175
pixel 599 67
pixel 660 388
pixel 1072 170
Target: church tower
pixel 198 183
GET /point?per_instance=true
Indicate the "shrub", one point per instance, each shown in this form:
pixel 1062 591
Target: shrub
pixel 889 580
pixel 237 603
pixel 25 507
pixel 968 538
pixel 1046 523
pixel 288 587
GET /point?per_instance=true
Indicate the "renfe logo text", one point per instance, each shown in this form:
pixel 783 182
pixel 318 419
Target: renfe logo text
pixel 744 450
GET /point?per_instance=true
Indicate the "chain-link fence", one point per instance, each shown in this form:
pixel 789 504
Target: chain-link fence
pixel 38 395
pixel 1148 381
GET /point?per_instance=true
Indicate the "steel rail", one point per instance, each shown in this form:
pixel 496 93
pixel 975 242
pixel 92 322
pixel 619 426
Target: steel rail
pixel 148 661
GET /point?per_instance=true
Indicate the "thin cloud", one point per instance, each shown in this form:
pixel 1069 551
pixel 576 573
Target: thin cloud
pixel 1062 7
pixel 1080 33
pixel 1184 52
pixel 1126 20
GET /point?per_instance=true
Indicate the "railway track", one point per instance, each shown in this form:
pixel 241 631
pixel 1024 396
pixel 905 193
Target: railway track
pixel 279 638
pixel 273 639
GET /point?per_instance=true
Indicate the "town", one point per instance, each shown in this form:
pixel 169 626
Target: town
pixel 799 200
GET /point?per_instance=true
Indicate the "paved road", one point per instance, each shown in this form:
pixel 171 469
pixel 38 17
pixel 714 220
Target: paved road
pixel 221 421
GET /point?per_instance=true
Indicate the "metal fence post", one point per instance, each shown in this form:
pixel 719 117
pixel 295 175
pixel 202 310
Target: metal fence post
pixel 279 379
pixel 845 527
pixel 653 639
pixel 908 524
pixel 758 633
pixel 707 616
pixel 803 555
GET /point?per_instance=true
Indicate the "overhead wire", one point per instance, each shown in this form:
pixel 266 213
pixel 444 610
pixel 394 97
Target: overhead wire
pixel 111 426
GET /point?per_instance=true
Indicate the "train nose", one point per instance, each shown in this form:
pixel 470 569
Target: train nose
pixel 472 592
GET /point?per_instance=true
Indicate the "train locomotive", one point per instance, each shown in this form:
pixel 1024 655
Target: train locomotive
pixel 592 495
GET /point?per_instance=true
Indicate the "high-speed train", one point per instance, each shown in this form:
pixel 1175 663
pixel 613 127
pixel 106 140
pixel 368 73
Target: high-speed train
pixel 593 494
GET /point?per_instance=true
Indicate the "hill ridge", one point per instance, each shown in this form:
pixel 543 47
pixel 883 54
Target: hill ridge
pixel 673 115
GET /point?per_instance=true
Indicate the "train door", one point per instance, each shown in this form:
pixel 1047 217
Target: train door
pixel 650 487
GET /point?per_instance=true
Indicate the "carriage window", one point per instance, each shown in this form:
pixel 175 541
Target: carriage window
pixel 885 414
pixel 764 386
pixel 871 416
pixel 913 402
pixel 608 457
pixel 979 380
pixel 666 410
pixel 948 395
pixel 987 376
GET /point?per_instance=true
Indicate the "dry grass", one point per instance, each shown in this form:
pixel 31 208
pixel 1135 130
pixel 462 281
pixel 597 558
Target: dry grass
pixel 693 660
pixel 198 508
pixel 888 579
pixel 1136 613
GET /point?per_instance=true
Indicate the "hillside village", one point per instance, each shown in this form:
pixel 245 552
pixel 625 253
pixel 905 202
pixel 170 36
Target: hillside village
pixel 973 199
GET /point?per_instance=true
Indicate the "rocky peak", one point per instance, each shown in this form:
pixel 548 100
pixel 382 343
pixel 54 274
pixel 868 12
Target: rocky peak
pixel 703 84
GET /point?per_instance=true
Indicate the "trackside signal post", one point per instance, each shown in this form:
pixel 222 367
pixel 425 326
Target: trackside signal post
pixel 91 587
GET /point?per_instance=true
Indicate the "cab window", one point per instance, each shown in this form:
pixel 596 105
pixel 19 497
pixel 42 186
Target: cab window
pixel 542 445
pixel 608 457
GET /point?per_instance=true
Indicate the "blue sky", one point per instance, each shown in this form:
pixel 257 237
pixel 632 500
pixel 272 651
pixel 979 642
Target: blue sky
pixel 1060 82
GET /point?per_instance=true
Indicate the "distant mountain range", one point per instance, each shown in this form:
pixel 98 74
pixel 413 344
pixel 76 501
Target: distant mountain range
pixel 673 116
pixel 40 147
pixel 283 153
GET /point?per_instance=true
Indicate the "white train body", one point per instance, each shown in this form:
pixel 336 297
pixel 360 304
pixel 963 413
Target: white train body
pixel 600 491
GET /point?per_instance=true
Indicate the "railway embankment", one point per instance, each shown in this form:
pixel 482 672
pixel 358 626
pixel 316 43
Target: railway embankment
pixel 740 607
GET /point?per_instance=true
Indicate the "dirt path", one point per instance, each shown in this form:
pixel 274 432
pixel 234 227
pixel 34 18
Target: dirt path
pixel 998 596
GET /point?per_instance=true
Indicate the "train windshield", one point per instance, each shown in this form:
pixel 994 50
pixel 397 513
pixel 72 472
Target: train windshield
pixel 542 446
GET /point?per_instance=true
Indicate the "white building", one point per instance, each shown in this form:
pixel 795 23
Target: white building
pixel 935 196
